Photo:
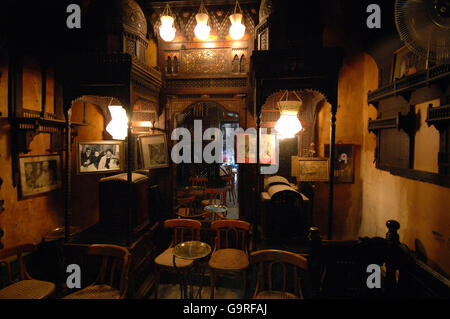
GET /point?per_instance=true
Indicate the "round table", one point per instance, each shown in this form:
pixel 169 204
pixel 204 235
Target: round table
pixel 192 250
pixel 220 210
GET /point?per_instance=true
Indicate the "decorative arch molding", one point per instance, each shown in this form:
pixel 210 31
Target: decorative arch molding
pixel 230 103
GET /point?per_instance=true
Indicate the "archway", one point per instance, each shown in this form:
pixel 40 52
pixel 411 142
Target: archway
pixel 197 118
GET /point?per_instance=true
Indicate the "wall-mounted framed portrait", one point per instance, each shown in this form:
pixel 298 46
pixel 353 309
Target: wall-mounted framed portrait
pixel 344 168
pixel 154 151
pixel 100 157
pixel 39 174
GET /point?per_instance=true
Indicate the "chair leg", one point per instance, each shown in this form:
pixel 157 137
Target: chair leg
pixel 244 282
pixel 157 274
pixel 212 283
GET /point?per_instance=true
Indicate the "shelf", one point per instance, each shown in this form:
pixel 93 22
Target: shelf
pixel 438 115
pixel 404 122
pixel 439 74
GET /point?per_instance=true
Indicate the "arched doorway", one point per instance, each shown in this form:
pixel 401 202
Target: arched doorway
pixel 197 118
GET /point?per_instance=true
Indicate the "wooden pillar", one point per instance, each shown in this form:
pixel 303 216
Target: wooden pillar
pixel 331 169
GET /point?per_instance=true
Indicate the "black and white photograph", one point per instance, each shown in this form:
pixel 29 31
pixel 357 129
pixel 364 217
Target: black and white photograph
pixel 99 156
pixel 39 174
pixel 153 149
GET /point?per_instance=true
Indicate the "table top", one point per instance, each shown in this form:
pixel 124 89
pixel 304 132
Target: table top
pixel 191 250
pixel 216 209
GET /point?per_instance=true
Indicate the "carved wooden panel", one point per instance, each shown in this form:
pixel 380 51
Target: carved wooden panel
pixel 205 61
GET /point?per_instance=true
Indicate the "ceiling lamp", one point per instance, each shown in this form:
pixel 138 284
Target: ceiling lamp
pixel 166 30
pixel 288 124
pixel 118 127
pixel 202 29
pixel 237 29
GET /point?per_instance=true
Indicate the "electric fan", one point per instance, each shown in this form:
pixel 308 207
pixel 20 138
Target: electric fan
pixel 424 27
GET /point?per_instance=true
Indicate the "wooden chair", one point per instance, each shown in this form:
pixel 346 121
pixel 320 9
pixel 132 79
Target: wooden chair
pixel 276 263
pixel 216 196
pixel 184 205
pixel 183 230
pixel 199 181
pixel 230 186
pixel 227 259
pixel 112 279
pixel 27 287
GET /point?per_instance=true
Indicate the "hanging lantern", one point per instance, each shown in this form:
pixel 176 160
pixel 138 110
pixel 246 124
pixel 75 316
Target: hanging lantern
pixel 118 127
pixel 166 30
pixel 202 29
pixel 288 124
pixel 237 29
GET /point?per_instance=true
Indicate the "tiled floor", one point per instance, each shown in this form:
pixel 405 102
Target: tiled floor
pixel 172 291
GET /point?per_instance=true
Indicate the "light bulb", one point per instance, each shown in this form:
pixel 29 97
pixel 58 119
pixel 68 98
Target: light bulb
pixel 288 125
pixel 166 30
pixel 202 29
pixel 237 29
pixel 118 127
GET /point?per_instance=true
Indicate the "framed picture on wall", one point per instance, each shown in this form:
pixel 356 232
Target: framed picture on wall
pixel 268 149
pixel 344 169
pixel 39 174
pixel 405 63
pixel 100 157
pixel 310 169
pixel 154 151
pixel 245 148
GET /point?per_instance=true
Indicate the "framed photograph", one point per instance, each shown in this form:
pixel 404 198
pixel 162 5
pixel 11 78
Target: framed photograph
pixel 405 63
pixel 344 170
pixel 268 149
pixel 100 157
pixel 245 148
pixel 39 174
pixel 310 169
pixel 153 150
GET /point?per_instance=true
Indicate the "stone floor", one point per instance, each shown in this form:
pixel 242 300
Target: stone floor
pixel 172 291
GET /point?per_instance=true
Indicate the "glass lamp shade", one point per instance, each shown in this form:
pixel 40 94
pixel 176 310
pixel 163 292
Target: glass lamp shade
pixel 288 125
pixel 237 29
pixel 118 127
pixel 166 30
pixel 202 29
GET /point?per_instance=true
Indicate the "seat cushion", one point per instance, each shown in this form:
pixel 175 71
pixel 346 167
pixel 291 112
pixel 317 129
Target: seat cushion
pixel 28 289
pixel 166 259
pixel 229 259
pixel 266 294
pixel 95 292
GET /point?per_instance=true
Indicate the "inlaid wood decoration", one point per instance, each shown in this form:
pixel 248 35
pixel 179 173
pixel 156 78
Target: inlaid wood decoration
pixel 205 61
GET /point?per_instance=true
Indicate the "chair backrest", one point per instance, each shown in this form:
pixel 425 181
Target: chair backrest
pixel 183 230
pixel 229 180
pixel 231 233
pixel 115 262
pixel 270 262
pixel 18 251
pixel 198 181
pixel 216 194
pixel 186 203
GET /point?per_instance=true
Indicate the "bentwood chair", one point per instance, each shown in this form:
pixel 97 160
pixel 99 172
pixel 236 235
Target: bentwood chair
pixel 274 269
pixel 183 230
pixel 185 206
pixel 230 254
pixel 198 181
pixel 27 287
pixel 229 180
pixel 112 279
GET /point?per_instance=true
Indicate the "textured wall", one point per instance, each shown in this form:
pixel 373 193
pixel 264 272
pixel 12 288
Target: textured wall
pixel 362 208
